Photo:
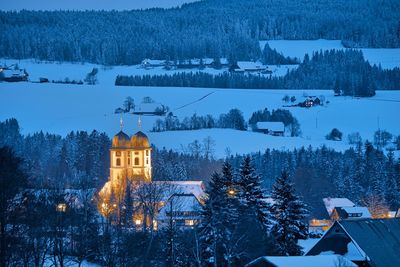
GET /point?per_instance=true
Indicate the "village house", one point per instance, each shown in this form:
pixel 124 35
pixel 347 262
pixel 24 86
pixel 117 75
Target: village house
pixel 323 212
pixel 275 128
pixel 184 210
pixel 349 213
pixel 365 242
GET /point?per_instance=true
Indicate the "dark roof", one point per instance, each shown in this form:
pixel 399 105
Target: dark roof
pixel 318 210
pixel 379 239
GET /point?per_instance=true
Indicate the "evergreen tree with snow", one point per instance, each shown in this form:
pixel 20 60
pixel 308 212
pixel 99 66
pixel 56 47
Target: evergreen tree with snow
pixel 289 212
pixel 251 194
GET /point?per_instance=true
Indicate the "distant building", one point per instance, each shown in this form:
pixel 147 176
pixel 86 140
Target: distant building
pixel 248 66
pixel 151 63
pixel 332 203
pixel 274 128
pixel 13 75
pixel 348 213
pixel 366 242
pixel 310 102
pixel 309 261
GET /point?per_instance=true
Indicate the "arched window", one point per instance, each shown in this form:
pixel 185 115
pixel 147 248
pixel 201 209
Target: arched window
pixel 118 163
pixel 136 161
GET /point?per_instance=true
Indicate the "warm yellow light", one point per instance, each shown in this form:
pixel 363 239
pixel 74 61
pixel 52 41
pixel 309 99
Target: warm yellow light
pixel 231 192
pixel 62 207
pixel 189 222
pixel 138 222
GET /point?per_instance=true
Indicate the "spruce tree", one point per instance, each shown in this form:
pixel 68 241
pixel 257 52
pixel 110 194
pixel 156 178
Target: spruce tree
pixel 251 193
pixel 289 212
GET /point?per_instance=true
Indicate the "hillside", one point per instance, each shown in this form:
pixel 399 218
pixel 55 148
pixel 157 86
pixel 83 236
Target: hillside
pixel 60 108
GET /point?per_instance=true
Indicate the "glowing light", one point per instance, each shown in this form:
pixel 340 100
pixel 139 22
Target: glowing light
pixel 138 222
pixel 62 207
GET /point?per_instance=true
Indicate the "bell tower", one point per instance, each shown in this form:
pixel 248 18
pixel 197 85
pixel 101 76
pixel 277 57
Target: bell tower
pixel 130 157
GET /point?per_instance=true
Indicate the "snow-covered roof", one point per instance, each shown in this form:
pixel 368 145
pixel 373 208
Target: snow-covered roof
pixel 275 126
pixel 224 61
pixel 359 210
pixel 180 204
pixel 184 187
pixel 303 261
pixel 153 62
pixel 250 65
pixel 331 203
pixel 8 73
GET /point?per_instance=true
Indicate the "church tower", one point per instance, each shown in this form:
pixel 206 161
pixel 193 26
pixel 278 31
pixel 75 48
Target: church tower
pixel 130 158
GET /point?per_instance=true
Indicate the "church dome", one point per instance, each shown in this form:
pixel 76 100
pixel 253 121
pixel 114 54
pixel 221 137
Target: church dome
pixel 121 139
pixel 140 140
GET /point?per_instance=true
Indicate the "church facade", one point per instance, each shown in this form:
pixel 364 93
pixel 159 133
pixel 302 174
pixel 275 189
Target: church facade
pixel 130 195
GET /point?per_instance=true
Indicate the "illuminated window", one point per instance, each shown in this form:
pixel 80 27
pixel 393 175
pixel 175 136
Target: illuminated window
pixel 118 163
pixel 189 222
pixel 138 222
pixel 136 161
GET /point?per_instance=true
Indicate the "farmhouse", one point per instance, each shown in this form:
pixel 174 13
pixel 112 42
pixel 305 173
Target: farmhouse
pixel 248 66
pixel 271 127
pixel 151 63
pixel 366 242
pixel 13 75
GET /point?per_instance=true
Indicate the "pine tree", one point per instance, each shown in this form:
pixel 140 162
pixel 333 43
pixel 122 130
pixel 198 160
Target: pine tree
pixel 289 212
pixel 251 193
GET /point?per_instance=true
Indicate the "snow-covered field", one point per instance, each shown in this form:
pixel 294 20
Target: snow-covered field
pixel 107 74
pixel 387 57
pixel 61 108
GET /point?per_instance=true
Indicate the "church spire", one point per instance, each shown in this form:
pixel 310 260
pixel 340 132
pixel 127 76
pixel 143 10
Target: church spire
pixel 140 123
pixel 121 123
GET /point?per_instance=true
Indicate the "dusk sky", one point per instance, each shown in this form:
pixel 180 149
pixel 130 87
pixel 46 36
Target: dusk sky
pixel 88 4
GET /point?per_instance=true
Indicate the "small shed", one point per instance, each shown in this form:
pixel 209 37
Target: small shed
pixel 275 128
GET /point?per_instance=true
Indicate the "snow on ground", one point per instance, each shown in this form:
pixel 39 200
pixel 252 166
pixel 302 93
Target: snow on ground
pixel 387 57
pixel 61 108
pixel 107 74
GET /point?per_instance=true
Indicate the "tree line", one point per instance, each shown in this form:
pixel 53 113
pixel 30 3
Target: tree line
pixel 223 29
pixel 233 119
pixel 344 71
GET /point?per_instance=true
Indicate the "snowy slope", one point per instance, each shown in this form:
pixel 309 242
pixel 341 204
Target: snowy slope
pixel 89 4
pixel 60 108
pixel 387 57
pixel 107 74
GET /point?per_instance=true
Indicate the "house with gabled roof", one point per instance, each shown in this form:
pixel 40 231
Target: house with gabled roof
pixel 366 242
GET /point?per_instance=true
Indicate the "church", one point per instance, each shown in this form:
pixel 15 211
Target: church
pixel 131 197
